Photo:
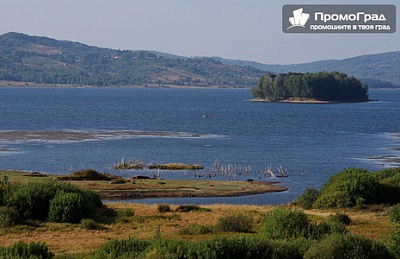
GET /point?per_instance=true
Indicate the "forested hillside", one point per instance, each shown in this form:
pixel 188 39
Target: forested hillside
pixel 376 70
pixel 42 60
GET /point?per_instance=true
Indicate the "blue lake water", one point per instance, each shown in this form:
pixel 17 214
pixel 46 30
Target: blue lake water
pixel 57 130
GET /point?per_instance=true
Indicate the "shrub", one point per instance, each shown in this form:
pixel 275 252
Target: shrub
pixel 394 213
pixel 348 246
pixel 251 247
pixel 386 173
pixel 389 178
pixel 90 174
pixel 291 249
pixel 340 217
pixel 188 208
pixel 235 247
pixel 281 223
pixel 393 241
pixel 9 217
pixel 126 213
pixel 23 250
pixel 66 207
pixel 196 229
pixel 33 201
pixel 169 249
pixel 92 201
pixel 89 224
pixel 326 228
pixel 235 223
pixel 390 189
pixel 124 248
pixel 4 186
pixel 163 208
pixel 347 189
pixel 307 199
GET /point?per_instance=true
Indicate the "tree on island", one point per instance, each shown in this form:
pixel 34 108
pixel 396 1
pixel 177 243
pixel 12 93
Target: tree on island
pixel 327 86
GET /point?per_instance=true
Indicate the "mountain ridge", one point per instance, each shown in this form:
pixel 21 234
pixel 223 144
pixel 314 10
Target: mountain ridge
pixel 43 60
pixel 379 69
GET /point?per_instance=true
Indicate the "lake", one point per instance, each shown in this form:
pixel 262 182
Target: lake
pixel 59 130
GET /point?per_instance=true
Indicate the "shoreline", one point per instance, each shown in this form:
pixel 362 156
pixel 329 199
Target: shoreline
pixel 308 100
pixel 109 195
pixel 28 84
pixel 155 188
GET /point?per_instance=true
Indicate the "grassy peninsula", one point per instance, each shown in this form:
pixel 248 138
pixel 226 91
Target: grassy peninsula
pixel 115 187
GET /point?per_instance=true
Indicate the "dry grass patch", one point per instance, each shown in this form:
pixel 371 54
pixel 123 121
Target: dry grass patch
pixel 363 222
pixel 147 221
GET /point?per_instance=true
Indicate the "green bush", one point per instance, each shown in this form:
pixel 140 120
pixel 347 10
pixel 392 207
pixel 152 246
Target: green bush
pixel 163 208
pixel 386 173
pixel 251 247
pixel 390 189
pixel 291 249
pixel 235 247
pixel 164 249
pixel 66 207
pixel 89 224
pixel 126 213
pixel 389 178
pixel 326 228
pixel 90 174
pixel 340 217
pixel 33 201
pixel 22 250
pixel 349 188
pixel 196 229
pixel 92 202
pixel 4 187
pixel 393 241
pixel 347 246
pixel 282 223
pixel 9 217
pixel 307 199
pixel 124 248
pixel 394 213
pixel 235 223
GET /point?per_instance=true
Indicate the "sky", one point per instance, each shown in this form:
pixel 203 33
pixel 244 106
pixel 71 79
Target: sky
pixel 232 29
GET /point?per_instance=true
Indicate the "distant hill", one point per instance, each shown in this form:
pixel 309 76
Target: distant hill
pixel 377 70
pixel 42 60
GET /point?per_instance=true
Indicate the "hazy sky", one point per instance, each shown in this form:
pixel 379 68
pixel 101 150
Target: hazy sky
pixel 235 29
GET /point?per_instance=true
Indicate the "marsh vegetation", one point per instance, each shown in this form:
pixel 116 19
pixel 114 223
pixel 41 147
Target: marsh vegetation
pixel 355 224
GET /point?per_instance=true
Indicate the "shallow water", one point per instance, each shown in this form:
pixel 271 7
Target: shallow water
pixel 58 130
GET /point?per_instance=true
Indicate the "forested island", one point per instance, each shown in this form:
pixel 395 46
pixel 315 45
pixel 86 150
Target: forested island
pixel 322 86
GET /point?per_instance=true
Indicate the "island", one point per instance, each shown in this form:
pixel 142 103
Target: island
pixel 321 87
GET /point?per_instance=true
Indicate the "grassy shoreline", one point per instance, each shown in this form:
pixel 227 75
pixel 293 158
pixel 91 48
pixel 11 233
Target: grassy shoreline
pixel 119 220
pixel 151 188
